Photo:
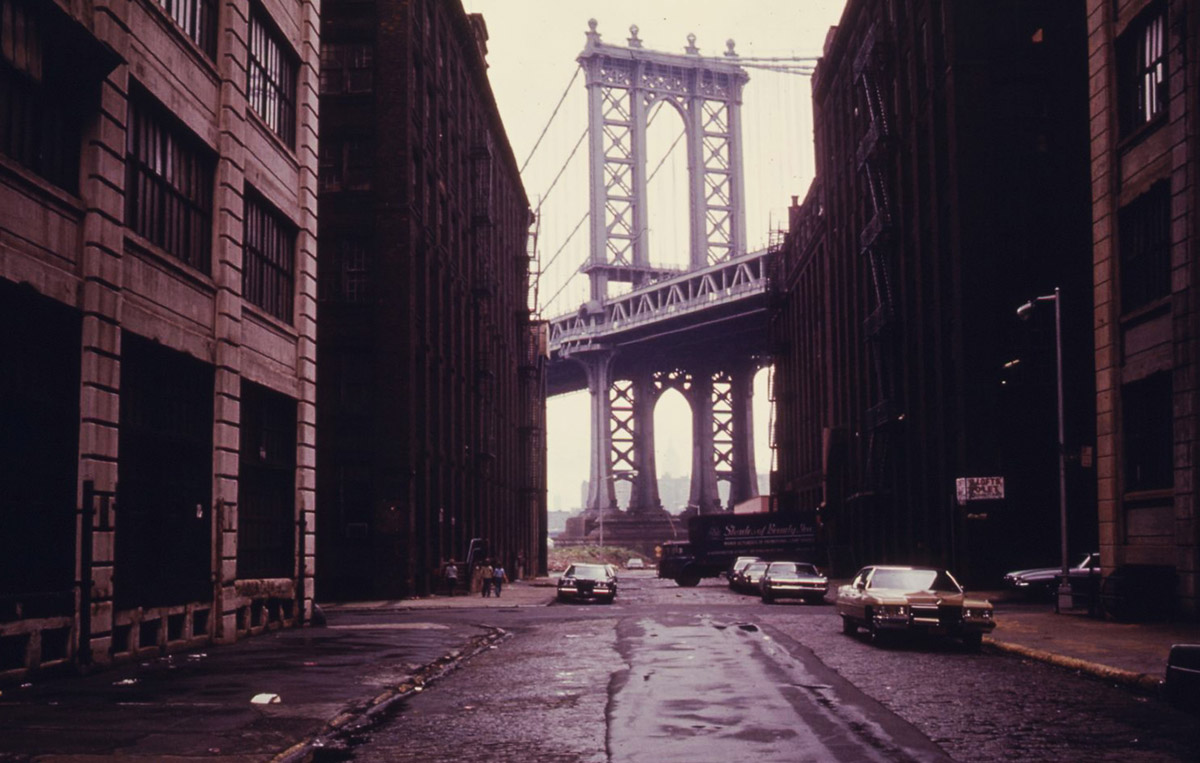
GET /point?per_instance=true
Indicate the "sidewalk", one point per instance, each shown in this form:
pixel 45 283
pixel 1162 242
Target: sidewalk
pixel 315 682
pixel 1133 654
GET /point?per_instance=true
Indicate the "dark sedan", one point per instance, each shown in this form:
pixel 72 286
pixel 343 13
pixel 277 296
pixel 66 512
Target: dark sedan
pixel 1043 581
pixel 582 582
pixel 796 580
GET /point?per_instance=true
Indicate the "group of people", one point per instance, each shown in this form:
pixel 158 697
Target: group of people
pixel 491 578
pixel 488 577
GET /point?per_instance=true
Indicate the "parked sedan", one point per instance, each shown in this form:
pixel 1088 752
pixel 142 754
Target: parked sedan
pixel 888 599
pixel 747 579
pixel 588 581
pixel 1042 581
pixel 797 580
pixel 734 576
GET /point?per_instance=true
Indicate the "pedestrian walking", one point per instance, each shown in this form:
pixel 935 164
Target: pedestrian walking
pixel 486 574
pixel 498 579
pixel 451 578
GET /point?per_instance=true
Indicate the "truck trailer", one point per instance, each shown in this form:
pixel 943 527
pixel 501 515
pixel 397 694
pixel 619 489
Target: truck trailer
pixel 716 540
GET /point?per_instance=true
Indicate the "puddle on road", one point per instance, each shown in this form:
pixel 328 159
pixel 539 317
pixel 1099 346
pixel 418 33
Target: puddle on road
pixel 390 627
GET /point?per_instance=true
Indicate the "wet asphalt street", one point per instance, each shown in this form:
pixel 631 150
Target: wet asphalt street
pixel 706 674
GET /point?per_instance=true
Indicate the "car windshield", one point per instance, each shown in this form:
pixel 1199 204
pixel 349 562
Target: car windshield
pixel 914 580
pixel 755 568
pixel 792 568
pixel 586 571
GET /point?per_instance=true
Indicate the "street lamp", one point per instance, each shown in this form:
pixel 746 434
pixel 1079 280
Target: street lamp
pixel 1024 312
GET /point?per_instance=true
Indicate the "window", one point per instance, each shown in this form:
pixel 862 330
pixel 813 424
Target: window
pixel 348 276
pixel 268 259
pixel 347 68
pixel 1144 238
pixel 168 185
pixel 345 164
pixel 37 129
pixel 197 19
pixel 272 73
pixel 1142 69
pixel 1148 441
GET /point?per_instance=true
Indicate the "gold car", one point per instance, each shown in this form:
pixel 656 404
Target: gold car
pixel 888 599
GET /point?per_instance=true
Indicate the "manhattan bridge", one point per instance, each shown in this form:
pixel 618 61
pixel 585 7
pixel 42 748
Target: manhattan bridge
pixel 699 326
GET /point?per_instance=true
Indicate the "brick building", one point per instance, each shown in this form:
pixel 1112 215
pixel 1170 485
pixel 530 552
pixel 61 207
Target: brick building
pixel 158 293
pixel 430 391
pixel 1144 61
pixel 951 188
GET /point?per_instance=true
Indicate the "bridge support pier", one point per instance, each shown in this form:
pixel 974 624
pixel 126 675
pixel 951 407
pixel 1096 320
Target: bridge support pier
pixel 644 498
pixel 602 496
pixel 704 496
pixel 744 476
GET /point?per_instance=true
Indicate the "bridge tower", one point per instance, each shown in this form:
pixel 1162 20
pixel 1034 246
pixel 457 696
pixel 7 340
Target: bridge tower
pixel 623 84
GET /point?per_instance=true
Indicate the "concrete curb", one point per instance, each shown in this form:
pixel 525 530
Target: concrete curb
pixel 1138 681
pixel 364 714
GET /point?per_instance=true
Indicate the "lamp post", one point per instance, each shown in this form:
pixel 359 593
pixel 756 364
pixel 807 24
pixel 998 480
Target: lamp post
pixel 1024 312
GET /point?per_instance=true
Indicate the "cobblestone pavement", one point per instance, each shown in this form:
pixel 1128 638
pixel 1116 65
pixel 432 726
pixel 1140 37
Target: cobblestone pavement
pixel 999 707
pixel 987 707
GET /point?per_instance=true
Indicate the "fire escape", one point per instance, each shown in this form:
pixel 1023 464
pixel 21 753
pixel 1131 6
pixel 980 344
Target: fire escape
pixel 875 245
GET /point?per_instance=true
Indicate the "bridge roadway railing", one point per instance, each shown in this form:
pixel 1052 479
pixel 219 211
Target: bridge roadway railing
pixel 692 292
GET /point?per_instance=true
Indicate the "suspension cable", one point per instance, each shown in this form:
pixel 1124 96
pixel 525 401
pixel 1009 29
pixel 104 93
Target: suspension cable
pixel 538 142
pixel 563 168
pixel 565 283
pixel 570 236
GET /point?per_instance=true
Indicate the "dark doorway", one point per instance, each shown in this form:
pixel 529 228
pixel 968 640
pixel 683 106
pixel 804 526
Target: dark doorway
pixel 267 485
pixel 164 491
pixel 39 452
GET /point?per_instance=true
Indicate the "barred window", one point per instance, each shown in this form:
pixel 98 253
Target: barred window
pixel 1142 69
pixel 1148 434
pixel 197 19
pixel 347 68
pixel 345 164
pixel 353 270
pixel 38 130
pixel 1144 238
pixel 272 72
pixel 168 184
pixel 268 262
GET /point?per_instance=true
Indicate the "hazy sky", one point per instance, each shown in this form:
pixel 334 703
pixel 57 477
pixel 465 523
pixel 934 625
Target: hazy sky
pixel 532 48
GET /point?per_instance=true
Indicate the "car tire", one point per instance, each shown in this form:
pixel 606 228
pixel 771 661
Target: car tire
pixel 848 626
pixel 973 642
pixel 688 580
pixel 814 600
pixel 609 600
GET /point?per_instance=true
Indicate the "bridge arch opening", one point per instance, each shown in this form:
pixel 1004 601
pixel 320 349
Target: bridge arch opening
pixel 667 187
pixel 762 414
pixel 673 449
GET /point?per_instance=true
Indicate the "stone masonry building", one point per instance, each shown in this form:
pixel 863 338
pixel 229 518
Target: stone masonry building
pixel 1144 64
pixel 158 173
pixel 431 400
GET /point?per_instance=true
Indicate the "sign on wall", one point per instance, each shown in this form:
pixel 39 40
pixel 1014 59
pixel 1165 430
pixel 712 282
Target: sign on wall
pixel 979 489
